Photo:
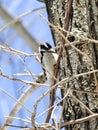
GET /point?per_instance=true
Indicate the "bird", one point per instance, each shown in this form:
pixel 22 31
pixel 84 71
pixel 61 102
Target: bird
pixel 48 57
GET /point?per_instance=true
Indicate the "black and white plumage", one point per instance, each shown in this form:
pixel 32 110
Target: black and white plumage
pixel 48 60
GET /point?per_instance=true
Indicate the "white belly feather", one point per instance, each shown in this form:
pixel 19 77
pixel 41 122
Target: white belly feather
pixel 49 60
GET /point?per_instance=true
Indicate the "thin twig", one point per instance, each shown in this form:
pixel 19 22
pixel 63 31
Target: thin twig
pixel 20 119
pixel 23 81
pixel 19 17
pixel 16 52
pixel 75 76
pixel 67 93
pixel 94 116
pixel 83 91
pixel 82 104
pixel 16 126
pixel 5 92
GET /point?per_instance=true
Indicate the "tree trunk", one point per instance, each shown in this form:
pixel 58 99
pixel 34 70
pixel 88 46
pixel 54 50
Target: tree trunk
pixel 81 18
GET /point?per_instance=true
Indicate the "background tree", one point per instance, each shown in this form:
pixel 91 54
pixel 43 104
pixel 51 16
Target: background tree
pixel 79 58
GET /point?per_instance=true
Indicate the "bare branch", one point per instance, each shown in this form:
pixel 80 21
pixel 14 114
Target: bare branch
pixel 94 116
pixel 82 104
pixel 19 27
pixel 21 100
pixel 16 52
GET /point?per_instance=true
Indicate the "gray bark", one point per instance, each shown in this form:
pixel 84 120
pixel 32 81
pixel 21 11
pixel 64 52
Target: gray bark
pixel 83 24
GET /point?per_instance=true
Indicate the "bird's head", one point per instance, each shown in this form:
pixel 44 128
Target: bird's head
pixel 44 47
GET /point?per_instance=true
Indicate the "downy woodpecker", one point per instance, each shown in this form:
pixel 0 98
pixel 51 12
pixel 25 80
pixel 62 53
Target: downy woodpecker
pixel 48 60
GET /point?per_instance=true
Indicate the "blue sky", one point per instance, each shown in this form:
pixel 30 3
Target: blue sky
pixel 11 64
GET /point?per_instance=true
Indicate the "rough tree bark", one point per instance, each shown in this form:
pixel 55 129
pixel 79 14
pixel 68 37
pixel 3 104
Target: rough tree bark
pixel 81 18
